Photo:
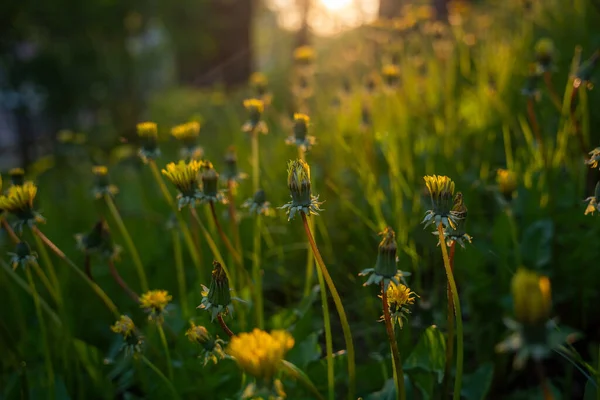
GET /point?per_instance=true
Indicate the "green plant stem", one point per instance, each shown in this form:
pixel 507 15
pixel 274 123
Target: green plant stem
pixel 10 231
pixel 181 282
pixel 47 261
pixel 535 127
pixel 340 309
pixel 161 376
pixel 296 373
pixel 328 335
pixel 257 273
pixel 224 326
pixel 97 289
pixel 396 361
pixel 450 336
pixel 553 96
pixel 255 161
pixel 87 266
pixel 163 340
pixel 224 238
pixel 44 332
pixel 117 277
pixel 310 266
pixel 233 221
pixel 546 392
pixel 135 255
pixel 457 313
pixel 187 237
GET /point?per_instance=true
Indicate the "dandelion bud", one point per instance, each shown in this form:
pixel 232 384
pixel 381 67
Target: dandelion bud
pixel 17 176
pixel 258 204
pixel 584 73
pixel 23 256
pixel 441 192
pixel 217 298
pixel 386 256
pixel 544 53
pixel 98 240
pixel 507 182
pixel 155 302
pixel 148 133
pixel 458 232
pixel 210 180
pixel 255 108
pixel 300 135
pixel 530 88
pixel 231 167
pixel 212 348
pixel 300 190
pixel 102 185
pixel 531 297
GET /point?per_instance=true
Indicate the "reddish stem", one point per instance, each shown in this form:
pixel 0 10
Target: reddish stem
pixel 224 326
pixel 224 238
pixel 535 127
pixel 10 231
pixel 121 282
pixel 393 344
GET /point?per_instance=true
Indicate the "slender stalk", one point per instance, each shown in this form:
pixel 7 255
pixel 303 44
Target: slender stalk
pixel 161 376
pixel 553 96
pixel 340 309
pixel 255 162
pixel 577 126
pixel 257 273
pixel 310 266
pixel 97 289
pixel 47 262
pixel 547 393
pixel 328 335
pixel 450 336
pixel 163 340
pixel 117 277
pixel 396 362
pixel 135 255
pixel 224 326
pixel 87 266
pixel 44 331
pixel 235 231
pixel 296 373
pixel 457 313
pixel 187 237
pixel 213 246
pixel 535 127
pixel 181 282
pixel 232 251
pixel 10 231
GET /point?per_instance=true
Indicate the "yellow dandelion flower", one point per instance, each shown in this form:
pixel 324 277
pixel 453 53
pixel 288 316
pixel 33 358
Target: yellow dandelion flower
pixel 100 170
pixel 197 334
pixel 304 54
pixel 155 302
pixel 441 192
pixel 507 181
pixel 124 326
pixel 259 353
pixel 299 117
pixel 531 297
pixel 399 297
pixel 390 71
pixel 19 201
pixel 424 13
pixel 254 105
pixel 185 178
pixel 187 131
pixel 147 129
pixel 258 79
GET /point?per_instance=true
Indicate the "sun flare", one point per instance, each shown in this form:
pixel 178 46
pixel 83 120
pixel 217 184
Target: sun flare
pixel 334 5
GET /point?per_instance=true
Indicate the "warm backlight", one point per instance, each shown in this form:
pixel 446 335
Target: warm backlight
pixel 335 5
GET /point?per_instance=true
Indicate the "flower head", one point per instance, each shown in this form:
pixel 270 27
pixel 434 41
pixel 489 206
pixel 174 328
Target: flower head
pixel 102 186
pixel 386 269
pixel 98 241
pixel 210 186
pixel 212 349
pixel 258 204
pixel 125 327
pixel 544 54
pixel 19 202
pixel 531 297
pixel 155 303
pixel 594 158
pixel 259 82
pixel 17 176
pixel 185 178
pixel 231 172
pixel 148 133
pixel 188 134
pixel 441 192
pixel 593 201
pixel 458 232
pixel 23 256
pixel 300 135
pixel 217 299
pixel 260 353
pixel 507 182
pixel 255 108
pixel 304 55
pixel 300 190
pixel 391 74
pixel 399 297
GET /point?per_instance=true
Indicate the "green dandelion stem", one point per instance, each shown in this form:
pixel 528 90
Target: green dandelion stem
pixel 97 289
pixel 235 230
pixel 310 266
pixel 340 309
pixel 43 330
pixel 224 326
pixel 457 313
pixel 256 273
pixel 163 340
pixel 213 246
pixel 224 238
pixel 296 373
pixel 177 250
pixel 396 361
pixel 47 262
pixel 187 237
pixel 553 96
pixel 450 335
pixel 255 161
pixel 161 376
pixel 40 273
pixel 117 277
pixel 535 127
pixel 21 283
pixel 328 335
pixel 135 255
pixel 87 266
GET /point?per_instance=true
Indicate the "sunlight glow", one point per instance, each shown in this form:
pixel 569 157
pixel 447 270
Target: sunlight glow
pixel 335 5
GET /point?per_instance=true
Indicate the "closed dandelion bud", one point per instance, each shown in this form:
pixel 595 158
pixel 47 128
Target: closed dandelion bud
pixel 210 183
pixel 386 256
pixel 148 133
pixel 216 299
pixel 584 73
pixel 102 185
pixel 17 176
pixel 458 233
pixel 507 182
pixel 365 118
pixel 155 303
pixel 531 297
pixel 18 201
pixel 23 256
pixel 98 241
pixel 544 53
pixel 300 190
pixel 212 348
pixel 300 135
pixel 594 158
pixel 231 172
pixel 441 192
pixel 593 201
pixel 258 204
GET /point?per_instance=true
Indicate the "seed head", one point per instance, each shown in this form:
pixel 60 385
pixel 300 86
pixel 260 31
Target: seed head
pixel 17 176
pixel 155 303
pixel 259 353
pixel 531 297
